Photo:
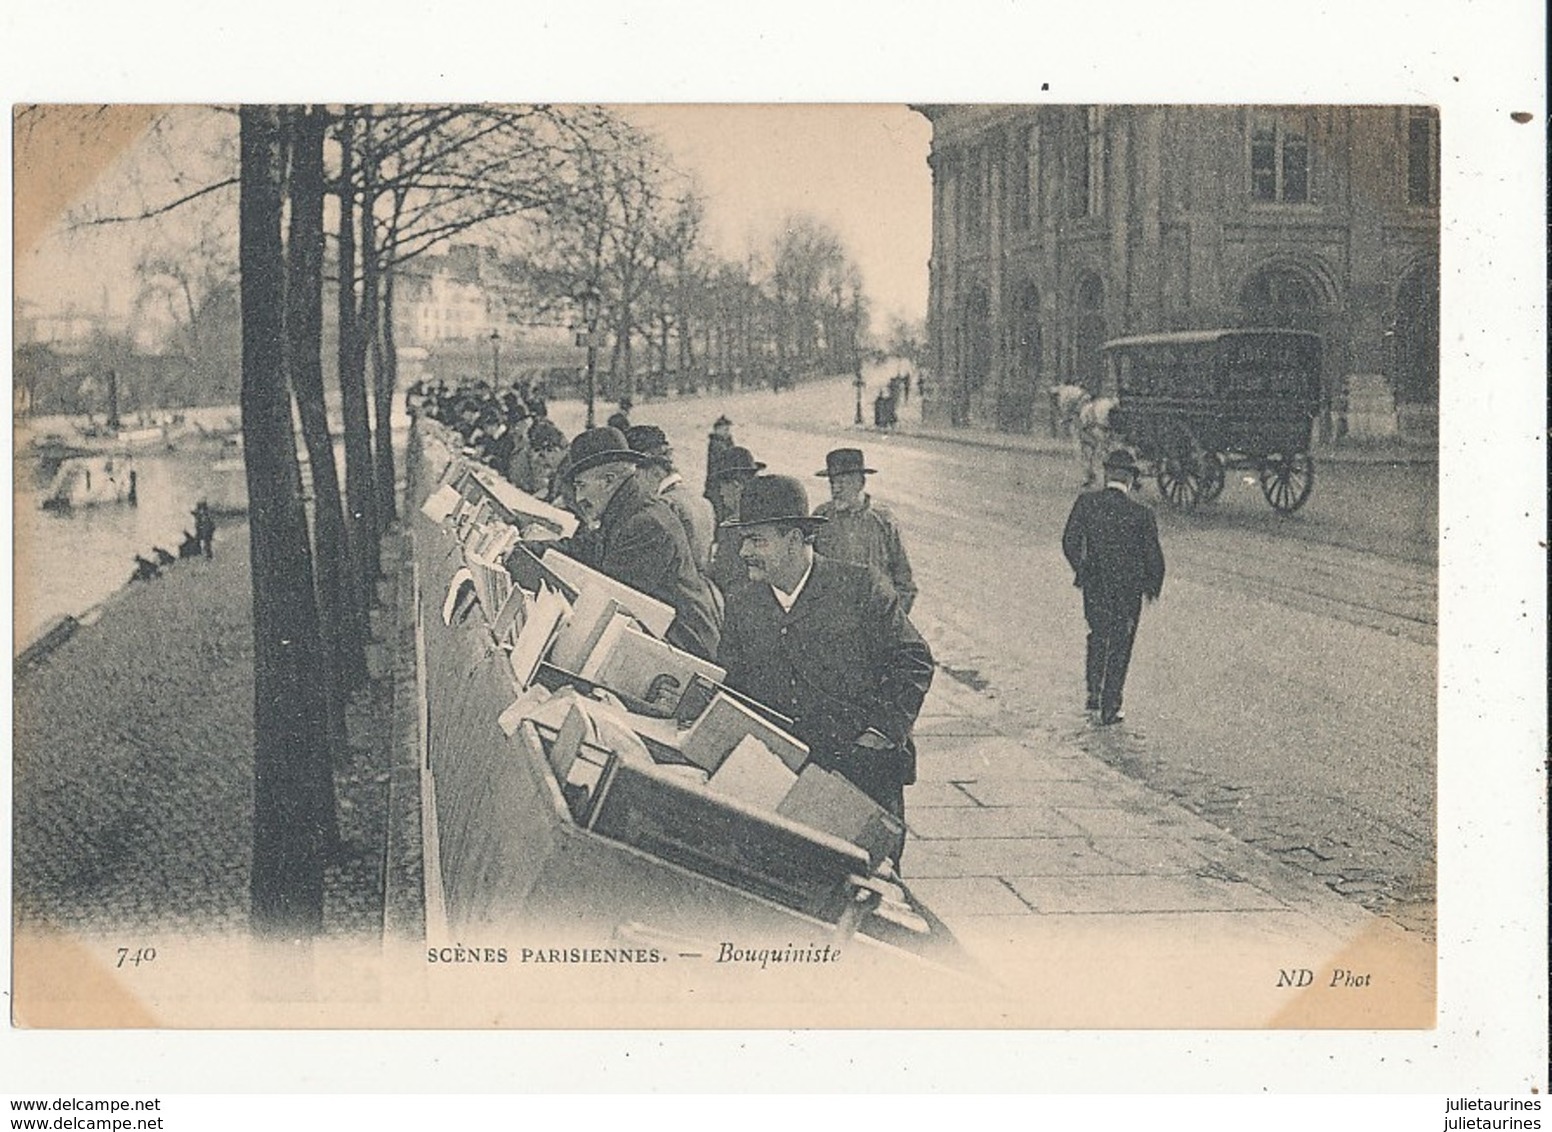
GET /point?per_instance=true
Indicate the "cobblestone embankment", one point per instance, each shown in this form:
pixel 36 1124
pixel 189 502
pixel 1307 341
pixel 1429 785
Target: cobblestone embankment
pixel 134 767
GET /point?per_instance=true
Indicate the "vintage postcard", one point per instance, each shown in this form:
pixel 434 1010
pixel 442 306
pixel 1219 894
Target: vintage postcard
pixel 909 565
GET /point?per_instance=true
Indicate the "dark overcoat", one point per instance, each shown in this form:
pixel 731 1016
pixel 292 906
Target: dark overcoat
pixel 845 659
pixel 1112 544
pixel 641 542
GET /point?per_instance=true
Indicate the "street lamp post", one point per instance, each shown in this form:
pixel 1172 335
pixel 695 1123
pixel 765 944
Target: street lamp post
pixel 858 384
pixel 495 357
pixel 590 299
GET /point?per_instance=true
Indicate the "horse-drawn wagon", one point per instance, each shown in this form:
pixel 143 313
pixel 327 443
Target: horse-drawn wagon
pixel 1197 404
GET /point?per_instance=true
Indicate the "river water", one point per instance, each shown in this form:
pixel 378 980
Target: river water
pixel 66 562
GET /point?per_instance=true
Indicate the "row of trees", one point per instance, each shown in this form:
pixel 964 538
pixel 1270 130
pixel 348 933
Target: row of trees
pixel 334 206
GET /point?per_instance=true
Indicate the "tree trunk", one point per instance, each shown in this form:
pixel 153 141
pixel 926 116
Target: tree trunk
pixel 385 379
pixel 290 724
pixel 353 406
pixel 304 364
pixel 371 521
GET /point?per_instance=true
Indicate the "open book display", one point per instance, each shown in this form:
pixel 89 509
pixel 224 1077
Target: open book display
pixel 646 745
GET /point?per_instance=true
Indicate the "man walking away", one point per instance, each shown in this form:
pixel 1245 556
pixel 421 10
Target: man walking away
pixel 859 529
pixel 1112 543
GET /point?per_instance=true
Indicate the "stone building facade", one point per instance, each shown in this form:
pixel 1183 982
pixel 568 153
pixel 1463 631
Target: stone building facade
pixel 1057 228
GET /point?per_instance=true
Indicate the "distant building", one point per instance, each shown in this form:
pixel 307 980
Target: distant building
pixel 454 297
pixel 1056 228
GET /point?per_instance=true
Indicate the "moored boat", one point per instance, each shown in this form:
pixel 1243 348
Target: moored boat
pixel 87 481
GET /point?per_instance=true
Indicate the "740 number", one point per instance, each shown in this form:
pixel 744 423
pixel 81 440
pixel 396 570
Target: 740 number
pixel 136 957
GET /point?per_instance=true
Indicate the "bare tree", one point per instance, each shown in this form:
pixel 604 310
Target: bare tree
pixel 304 366
pixel 291 766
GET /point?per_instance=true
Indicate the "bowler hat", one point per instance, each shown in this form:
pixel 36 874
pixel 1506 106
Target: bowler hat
pixel 601 446
pixel 736 461
pixel 649 440
pixel 844 460
pixel 774 499
pixel 1121 460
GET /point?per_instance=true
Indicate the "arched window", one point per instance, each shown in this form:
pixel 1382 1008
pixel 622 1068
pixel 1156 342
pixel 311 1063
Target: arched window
pixel 1026 321
pixel 1089 334
pixel 1282 298
pixel 1415 338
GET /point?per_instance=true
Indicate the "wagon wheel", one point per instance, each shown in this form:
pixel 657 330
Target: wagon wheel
pixel 1180 480
pixel 1287 481
pixel 1212 477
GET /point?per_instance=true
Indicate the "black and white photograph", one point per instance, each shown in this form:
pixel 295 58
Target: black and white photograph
pixel 659 564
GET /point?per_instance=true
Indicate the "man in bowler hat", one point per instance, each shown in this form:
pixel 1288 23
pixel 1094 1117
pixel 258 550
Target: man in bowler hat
pixel 860 529
pixel 640 541
pixel 1112 543
pixel 662 479
pixel 727 477
pixel 825 643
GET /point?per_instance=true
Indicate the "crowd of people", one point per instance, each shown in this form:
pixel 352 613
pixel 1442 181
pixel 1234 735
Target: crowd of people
pixel 808 609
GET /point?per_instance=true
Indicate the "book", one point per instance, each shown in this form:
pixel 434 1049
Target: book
pixel 653 672
pixel 723 725
pixel 544 618
pixel 591 614
pixel 752 773
pixel 661 812
pixel 510 617
pixel 574 731
pixel 827 801
pixel 655 615
pixel 440 503
pixel 527 706
pixel 525 509
pixel 528 571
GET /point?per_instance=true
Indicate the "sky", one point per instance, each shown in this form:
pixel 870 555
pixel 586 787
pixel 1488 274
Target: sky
pixel 860 168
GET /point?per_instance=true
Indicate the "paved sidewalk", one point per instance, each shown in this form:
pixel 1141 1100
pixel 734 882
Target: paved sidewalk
pixel 1055 869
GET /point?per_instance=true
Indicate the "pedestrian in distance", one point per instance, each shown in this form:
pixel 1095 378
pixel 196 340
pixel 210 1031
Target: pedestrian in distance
pixel 640 541
pixel 205 528
pixel 718 441
pixel 1112 543
pixel 860 529
pixel 825 643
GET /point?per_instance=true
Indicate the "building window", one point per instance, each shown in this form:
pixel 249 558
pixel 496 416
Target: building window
pixel 1086 180
pixel 1423 155
pixel 1279 159
pixel 974 200
pixel 1088 364
pixel 1024 177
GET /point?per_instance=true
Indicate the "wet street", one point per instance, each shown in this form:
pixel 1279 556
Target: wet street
pixel 1284 686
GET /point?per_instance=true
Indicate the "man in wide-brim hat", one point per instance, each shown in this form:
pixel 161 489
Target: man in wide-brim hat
pixel 825 643
pixel 1112 543
pixel 640 541
pixel 860 529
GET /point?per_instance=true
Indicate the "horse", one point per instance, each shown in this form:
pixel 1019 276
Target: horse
pixel 1085 417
